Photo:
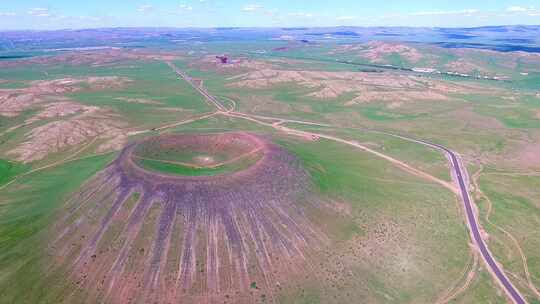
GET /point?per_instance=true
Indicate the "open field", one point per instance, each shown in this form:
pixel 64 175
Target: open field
pixel 357 212
pixel 158 173
pixel 197 158
pixel 28 209
pixel 512 195
pixel 52 116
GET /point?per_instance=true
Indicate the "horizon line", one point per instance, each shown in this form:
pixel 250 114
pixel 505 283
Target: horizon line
pixel 265 27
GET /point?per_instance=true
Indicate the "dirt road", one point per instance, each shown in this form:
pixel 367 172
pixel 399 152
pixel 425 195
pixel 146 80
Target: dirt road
pixel 459 171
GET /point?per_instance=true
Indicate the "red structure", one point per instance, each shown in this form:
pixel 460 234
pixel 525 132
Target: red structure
pixel 224 59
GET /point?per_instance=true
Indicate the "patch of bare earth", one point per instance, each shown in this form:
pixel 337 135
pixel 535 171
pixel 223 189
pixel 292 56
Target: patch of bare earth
pixel 509 60
pixel 92 123
pixel 377 50
pixel 528 156
pixel 138 100
pixel 185 239
pixel 169 109
pixel 265 104
pixel 367 86
pixel 464 66
pixel 385 250
pixel 397 96
pixel 394 105
pixel 15 101
pixel 12 103
pixel 62 107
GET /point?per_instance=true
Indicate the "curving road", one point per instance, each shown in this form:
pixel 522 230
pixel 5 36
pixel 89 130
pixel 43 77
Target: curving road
pixel 472 221
pixel 460 174
pixel 475 231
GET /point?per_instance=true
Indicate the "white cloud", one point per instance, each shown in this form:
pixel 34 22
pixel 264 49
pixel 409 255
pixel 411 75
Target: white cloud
pixel 252 7
pixel 517 9
pixel 145 8
pixel 301 14
pixel 185 7
pixel 346 18
pixel 39 12
pixel 531 11
pixel 469 11
pixel 259 9
pixel 438 13
pixel 429 13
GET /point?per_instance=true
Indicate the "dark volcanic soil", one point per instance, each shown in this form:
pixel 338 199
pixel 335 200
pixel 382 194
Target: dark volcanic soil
pixel 132 235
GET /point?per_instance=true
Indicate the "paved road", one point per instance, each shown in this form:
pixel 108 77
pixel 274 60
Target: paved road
pixel 201 90
pixel 460 174
pixel 473 224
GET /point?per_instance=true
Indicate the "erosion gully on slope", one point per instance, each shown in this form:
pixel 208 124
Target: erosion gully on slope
pixel 459 172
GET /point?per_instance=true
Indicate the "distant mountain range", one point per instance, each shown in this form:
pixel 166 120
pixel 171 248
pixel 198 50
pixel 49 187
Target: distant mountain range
pixel 501 38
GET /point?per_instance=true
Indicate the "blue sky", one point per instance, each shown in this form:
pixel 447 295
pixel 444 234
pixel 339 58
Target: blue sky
pixel 54 14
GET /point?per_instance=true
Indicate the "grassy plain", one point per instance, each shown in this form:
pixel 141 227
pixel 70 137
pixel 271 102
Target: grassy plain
pixel 177 169
pixel 486 129
pixel 391 252
pixel 513 196
pixel 169 99
pixel 28 208
pixel 399 239
pixel 386 213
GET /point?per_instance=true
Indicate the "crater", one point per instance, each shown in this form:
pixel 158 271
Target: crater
pixel 205 154
pixel 230 215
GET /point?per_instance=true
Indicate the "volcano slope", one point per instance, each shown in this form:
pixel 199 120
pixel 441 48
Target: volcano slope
pixel 191 217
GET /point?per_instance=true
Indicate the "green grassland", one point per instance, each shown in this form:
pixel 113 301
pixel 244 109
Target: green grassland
pixel 9 170
pixel 477 126
pixel 515 209
pixel 29 206
pixel 159 151
pixel 153 81
pixel 519 113
pixel 171 99
pixel 482 289
pixel 425 213
pixel 423 245
pixel 422 214
pixel 177 169
pixel 424 158
pixel 454 122
pixel 290 100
